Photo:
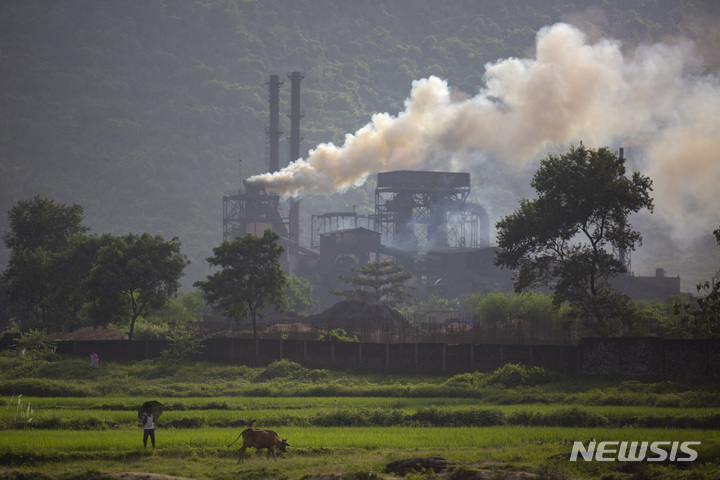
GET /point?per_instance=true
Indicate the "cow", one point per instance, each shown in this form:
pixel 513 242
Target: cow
pixel 259 439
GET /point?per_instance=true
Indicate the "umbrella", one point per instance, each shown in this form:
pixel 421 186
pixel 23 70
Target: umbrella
pixel 156 409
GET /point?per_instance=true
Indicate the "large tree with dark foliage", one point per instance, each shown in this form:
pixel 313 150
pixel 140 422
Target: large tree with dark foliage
pixel 250 276
pixel 568 237
pixel 41 277
pixel 133 276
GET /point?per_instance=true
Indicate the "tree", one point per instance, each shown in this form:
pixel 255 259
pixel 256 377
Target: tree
pixel 43 273
pixel 133 276
pixel 703 315
pixel 298 295
pixel 34 343
pixel 250 277
pixel 567 236
pixel 41 223
pixel 181 347
pixel 382 279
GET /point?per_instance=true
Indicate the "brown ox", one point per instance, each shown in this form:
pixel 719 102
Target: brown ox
pixel 259 439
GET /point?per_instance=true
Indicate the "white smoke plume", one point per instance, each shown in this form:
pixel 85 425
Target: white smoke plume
pixel 655 100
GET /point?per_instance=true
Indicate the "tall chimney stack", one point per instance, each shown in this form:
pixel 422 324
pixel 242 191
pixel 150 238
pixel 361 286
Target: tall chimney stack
pixel 295 139
pixel 273 132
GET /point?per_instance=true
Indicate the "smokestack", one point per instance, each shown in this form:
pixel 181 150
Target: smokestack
pixel 273 132
pixel 295 139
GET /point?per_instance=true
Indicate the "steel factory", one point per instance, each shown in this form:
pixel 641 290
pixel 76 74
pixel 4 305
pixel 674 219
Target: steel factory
pixel 422 220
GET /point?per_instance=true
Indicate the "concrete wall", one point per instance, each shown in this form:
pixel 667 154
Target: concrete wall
pixel 641 358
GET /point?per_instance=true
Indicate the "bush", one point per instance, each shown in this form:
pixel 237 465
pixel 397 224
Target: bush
pixel 148 331
pixel 8 340
pixel 466 380
pixel 516 374
pixel 43 388
pixel 187 422
pixel 522 417
pixel 289 370
pixel 337 335
pixel 181 347
pixel 450 417
pixel 573 417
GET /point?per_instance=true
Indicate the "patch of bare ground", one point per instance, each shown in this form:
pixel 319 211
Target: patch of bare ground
pixel 146 476
pixel 442 470
pixel 10 473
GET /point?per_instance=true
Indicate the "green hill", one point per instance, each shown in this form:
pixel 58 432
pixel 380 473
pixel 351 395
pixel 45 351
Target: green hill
pixel 141 110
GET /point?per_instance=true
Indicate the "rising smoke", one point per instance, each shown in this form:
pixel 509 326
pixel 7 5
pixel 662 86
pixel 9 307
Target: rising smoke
pixel 654 100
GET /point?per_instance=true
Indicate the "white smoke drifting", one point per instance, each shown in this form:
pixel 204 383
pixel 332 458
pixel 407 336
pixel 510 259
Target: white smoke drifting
pixel 654 100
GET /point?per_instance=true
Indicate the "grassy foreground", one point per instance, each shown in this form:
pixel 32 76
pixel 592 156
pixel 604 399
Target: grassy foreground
pixel 59 420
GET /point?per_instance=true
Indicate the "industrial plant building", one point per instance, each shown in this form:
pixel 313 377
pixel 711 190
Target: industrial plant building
pixel 422 220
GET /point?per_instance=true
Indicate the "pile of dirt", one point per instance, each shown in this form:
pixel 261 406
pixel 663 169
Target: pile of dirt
pixel 145 476
pixel 360 315
pixel 92 333
pixel 289 328
pixel 457 328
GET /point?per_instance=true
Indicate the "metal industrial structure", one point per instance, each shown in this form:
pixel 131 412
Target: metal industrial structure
pixel 256 209
pixel 252 212
pixel 428 210
pixel 422 220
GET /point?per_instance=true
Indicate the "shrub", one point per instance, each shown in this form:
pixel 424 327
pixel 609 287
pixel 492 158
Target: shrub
pixel 516 375
pixel 38 387
pixel 573 417
pixel 522 417
pixel 466 380
pixel 181 347
pixel 187 422
pixel 34 343
pixel 9 339
pixel 290 370
pixel 450 417
pixel 337 335
pixel 148 331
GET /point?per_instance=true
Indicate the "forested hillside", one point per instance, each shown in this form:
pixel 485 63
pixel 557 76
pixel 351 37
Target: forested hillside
pixel 141 110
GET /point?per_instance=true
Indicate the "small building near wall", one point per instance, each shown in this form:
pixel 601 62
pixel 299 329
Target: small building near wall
pixel 658 287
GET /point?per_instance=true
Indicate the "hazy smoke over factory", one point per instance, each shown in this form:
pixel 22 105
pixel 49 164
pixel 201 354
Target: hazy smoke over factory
pixel 655 100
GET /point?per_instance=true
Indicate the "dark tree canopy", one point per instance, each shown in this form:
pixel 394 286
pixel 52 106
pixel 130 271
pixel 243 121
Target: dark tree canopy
pixel 42 223
pixel 133 276
pixel 568 238
pixel 382 279
pixel 298 295
pixel 58 277
pixel 250 277
pixel 42 277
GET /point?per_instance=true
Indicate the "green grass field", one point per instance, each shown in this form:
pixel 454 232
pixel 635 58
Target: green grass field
pixel 486 426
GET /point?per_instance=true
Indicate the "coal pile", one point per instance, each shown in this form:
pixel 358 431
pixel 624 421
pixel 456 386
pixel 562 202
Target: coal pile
pixel 362 315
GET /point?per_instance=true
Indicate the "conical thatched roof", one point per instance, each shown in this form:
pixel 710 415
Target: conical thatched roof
pixel 360 315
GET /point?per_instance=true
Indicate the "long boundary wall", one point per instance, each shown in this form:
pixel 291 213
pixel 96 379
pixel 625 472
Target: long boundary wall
pixel 651 358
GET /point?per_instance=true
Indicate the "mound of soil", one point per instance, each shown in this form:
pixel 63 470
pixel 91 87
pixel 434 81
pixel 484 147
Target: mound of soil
pixel 360 315
pixel 92 333
pixel 417 464
pixel 458 327
pixel 145 476
pixel 289 328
